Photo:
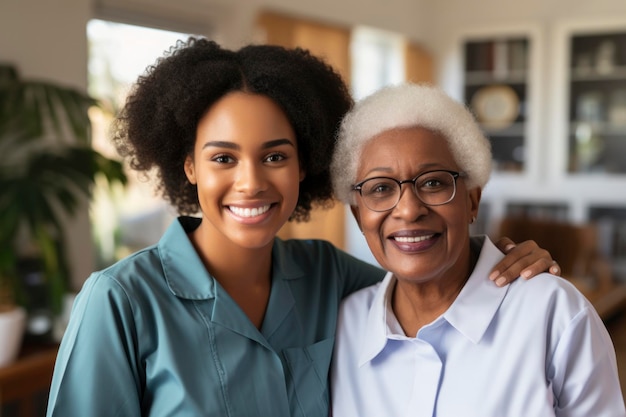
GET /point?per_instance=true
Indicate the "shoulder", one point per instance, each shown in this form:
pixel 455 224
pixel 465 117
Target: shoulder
pixel 360 302
pixel 541 293
pixel 320 256
pixel 550 295
pixel 548 286
pixel 307 255
pixel 364 296
pixel 138 273
pixel 307 247
pixel 362 315
pixel 315 252
pixel 122 296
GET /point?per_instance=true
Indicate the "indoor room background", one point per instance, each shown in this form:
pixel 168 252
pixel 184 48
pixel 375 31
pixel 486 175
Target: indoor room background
pixel 546 79
pixel 47 39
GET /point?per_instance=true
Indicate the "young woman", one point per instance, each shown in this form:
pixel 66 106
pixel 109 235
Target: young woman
pixel 222 318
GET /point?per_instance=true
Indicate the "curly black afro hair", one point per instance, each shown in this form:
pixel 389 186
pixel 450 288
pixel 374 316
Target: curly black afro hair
pixel 156 129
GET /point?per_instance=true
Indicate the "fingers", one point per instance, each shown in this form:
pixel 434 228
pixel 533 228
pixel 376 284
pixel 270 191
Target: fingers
pixel 555 269
pixel 505 244
pixel 525 259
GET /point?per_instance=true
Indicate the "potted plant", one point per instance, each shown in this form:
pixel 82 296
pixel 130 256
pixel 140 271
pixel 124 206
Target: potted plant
pixel 47 171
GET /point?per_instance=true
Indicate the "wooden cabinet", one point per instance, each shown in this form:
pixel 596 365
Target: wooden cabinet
pixel 25 384
pixel 332 43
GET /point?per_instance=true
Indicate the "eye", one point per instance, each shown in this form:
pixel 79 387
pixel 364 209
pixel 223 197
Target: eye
pixel 431 183
pixel 379 187
pixel 435 182
pixel 275 157
pixel 223 159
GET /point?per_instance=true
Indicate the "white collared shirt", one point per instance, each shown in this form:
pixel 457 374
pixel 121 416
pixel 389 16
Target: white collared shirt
pixel 533 348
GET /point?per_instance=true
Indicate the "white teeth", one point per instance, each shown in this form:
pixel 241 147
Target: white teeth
pixel 412 239
pixel 248 212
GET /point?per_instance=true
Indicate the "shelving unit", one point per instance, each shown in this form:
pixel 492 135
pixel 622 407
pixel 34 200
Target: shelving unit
pixel 563 157
pixel 495 89
pixel 540 211
pixel 597 129
pixel 611 223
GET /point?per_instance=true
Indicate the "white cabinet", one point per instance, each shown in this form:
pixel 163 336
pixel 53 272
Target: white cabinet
pixel 563 156
pixel 495 89
pixel 597 102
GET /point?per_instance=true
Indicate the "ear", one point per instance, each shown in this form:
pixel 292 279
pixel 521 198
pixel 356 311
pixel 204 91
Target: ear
pixel 474 201
pixel 302 174
pixel 190 170
pixel 357 216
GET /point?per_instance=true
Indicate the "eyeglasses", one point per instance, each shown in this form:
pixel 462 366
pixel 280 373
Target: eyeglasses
pixel 433 188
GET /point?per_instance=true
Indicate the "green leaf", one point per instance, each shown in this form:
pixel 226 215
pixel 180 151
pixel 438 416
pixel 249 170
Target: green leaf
pixel 47 167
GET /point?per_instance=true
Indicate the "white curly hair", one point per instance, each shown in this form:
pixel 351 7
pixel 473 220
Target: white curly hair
pixel 409 105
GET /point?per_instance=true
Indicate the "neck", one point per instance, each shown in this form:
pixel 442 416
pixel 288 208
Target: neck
pixel 244 273
pixel 416 304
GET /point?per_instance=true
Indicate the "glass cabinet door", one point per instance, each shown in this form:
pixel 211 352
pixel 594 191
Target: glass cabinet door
pixel 597 105
pixel 495 89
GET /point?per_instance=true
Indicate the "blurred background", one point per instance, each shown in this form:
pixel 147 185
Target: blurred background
pixel 545 78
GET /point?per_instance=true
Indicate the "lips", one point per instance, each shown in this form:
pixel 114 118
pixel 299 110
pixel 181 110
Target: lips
pixel 412 239
pixel 249 212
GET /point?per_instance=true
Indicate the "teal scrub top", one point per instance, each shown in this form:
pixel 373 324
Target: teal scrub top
pixel 156 335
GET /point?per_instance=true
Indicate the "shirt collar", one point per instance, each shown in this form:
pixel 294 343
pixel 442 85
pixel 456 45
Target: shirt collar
pixel 185 273
pixel 479 299
pixel 376 329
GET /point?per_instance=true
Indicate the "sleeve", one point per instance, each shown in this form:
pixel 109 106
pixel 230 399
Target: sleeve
pixel 97 371
pixel 585 379
pixel 356 274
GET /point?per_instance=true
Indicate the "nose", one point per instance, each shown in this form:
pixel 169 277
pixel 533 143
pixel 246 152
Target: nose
pixel 409 206
pixel 250 178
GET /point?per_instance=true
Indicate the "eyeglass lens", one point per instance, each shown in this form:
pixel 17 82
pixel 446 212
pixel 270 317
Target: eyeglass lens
pixel 432 188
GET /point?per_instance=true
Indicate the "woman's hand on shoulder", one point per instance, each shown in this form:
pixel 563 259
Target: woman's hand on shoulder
pixel 525 259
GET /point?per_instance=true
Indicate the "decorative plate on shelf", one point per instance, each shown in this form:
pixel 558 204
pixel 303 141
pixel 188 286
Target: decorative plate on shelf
pixel 495 106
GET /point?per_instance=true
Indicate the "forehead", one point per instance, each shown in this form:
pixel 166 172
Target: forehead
pixel 242 115
pixel 414 146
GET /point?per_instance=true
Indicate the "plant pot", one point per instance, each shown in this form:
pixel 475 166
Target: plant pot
pixel 12 324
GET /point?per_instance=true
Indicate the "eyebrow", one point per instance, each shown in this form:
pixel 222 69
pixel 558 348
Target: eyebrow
pixel 230 145
pixel 389 170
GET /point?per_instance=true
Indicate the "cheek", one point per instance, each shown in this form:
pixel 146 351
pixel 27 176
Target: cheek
pixel 291 190
pixel 457 227
pixel 456 216
pixel 209 184
pixel 289 181
pixel 371 224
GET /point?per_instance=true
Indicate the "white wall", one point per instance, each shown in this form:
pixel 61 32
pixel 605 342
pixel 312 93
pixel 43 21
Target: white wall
pixel 46 38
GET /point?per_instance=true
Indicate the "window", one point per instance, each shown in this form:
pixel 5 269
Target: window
pixel 128 219
pixel 377 60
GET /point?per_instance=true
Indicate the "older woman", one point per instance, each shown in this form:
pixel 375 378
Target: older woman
pixel 436 337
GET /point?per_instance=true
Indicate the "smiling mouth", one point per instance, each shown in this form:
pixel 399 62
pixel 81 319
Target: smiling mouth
pixel 412 239
pixel 249 212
